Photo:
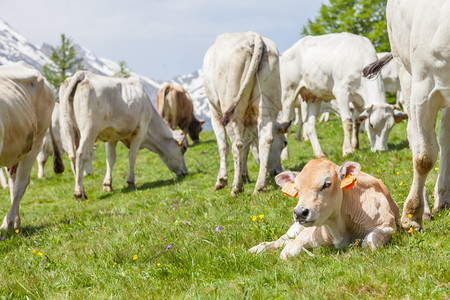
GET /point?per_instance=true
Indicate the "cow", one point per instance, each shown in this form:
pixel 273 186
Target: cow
pixel 26 104
pixel 176 108
pixel 112 110
pixel 329 67
pixel 47 147
pixel 419 34
pixel 337 205
pixel 242 84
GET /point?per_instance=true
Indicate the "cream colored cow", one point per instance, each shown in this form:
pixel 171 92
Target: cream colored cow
pixel 328 213
pixel 26 104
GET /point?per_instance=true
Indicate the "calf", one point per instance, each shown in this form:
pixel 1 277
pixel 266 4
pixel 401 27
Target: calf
pixel 336 206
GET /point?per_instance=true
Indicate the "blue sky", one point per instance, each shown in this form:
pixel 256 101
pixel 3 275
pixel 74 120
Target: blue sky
pixel 160 39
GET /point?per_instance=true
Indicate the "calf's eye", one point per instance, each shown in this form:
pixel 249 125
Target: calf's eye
pixel 326 185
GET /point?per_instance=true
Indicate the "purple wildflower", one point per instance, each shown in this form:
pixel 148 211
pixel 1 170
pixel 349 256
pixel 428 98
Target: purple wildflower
pixel 229 242
pixel 3 237
pixel 168 247
pixel 43 262
pixel 218 228
pixel 119 214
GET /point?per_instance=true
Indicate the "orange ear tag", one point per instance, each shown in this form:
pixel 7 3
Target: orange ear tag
pixel 179 143
pixel 289 190
pixel 348 182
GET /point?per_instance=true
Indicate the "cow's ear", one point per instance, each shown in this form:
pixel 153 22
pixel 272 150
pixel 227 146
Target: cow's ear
pixel 286 177
pixel 349 168
pixel 283 127
pixel 399 116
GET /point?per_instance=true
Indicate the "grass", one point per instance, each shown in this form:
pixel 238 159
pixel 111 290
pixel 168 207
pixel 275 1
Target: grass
pixel 88 247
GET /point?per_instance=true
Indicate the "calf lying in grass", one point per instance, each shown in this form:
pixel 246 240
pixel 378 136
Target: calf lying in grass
pixel 336 206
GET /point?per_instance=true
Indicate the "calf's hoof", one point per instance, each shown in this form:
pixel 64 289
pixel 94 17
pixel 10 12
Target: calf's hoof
pixel 426 217
pixel 409 224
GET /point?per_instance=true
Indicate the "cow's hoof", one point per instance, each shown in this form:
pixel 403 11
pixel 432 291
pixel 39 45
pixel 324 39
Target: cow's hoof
pixel 246 178
pixel 131 185
pixel 426 217
pixel 236 191
pixel 79 196
pixel 107 188
pixel 409 224
pixel 221 183
pixel 259 190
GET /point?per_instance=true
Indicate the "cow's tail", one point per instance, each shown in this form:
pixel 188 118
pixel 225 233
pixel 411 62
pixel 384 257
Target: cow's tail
pixel 161 99
pixel 258 50
pixel 58 164
pixel 66 106
pixel 373 70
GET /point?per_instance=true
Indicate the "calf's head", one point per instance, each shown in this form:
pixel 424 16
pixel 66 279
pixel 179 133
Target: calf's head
pixel 380 120
pixel 195 127
pixel 319 190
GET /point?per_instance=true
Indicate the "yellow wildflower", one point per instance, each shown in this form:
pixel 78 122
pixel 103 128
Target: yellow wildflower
pixel 401 182
pixel 410 230
pixel 398 172
pixel 261 216
pixel 378 171
pixel 158 265
pixel 104 227
pixel 135 257
pixel 40 253
pixel 410 216
pixel 120 165
pixel 17 231
pixel 34 251
pixel 436 169
pixel 254 218
pixel 115 263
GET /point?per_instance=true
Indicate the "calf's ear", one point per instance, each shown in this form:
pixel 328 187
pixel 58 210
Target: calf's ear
pixel 349 167
pixel 286 177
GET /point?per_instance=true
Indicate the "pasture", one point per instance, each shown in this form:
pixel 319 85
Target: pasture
pixel 179 239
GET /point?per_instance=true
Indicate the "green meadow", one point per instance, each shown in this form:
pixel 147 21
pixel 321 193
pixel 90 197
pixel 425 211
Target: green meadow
pixel 177 238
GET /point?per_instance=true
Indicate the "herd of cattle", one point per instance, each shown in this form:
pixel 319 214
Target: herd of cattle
pixel 249 86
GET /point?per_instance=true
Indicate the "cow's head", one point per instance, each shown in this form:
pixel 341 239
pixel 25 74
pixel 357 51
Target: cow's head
pixel 380 120
pixel 195 127
pixel 279 143
pixel 319 190
pixel 173 157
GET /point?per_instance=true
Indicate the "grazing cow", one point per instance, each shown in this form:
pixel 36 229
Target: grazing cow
pixel 329 67
pixel 47 147
pixel 242 84
pixel 175 107
pixel 113 110
pixel 26 104
pixel 337 205
pixel 419 33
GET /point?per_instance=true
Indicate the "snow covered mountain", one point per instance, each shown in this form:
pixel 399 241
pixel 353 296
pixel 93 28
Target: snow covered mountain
pixel 14 47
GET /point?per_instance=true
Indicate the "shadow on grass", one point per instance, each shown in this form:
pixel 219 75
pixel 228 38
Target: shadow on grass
pixel 399 146
pixel 155 184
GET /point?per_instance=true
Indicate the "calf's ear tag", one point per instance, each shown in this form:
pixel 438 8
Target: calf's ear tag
pixel 289 190
pixel 348 182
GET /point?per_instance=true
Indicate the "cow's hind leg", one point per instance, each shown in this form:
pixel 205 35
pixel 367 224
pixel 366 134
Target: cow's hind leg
pixel 19 180
pixel 378 237
pixel 442 187
pixel 313 109
pixel 240 146
pixel 110 161
pixel 87 142
pixel 424 148
pixel 265 133
pixel 222 146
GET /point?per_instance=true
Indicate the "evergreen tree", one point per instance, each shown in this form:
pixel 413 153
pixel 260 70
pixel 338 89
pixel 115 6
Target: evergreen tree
pixel 64 62
pixel 362 17
pixel 123 71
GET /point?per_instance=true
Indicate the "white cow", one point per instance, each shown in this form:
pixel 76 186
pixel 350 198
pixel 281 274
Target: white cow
pixel 47 147
pixel 26 104
pixel 112 110
pixel 332 212
pixel 419 33
pixel 242 83
pixel 329 67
